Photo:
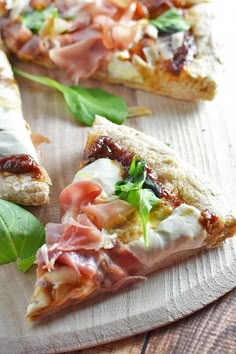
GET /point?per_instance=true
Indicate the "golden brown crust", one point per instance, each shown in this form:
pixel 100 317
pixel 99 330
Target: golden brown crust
pixel 178 177
pixel 24 189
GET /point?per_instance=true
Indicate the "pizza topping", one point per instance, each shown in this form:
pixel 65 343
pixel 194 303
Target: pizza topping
pixel 20 163
pixel 82 58
pixel 181 230
pixel 34 20
pixel 170 22
pixel 108 214
pixel 106 147
pixel 134 191
pixel 78 193
pixel 81 38
pixel 183 54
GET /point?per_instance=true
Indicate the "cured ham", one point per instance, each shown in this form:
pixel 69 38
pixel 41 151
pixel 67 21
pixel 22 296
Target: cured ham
pixel 78 193
pixel 108 214
pixel 81 59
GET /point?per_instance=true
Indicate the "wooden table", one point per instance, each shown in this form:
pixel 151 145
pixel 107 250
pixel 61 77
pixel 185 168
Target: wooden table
pixel 210 330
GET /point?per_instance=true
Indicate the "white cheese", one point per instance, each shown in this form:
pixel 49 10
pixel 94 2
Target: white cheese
pixel 104 171
pixel 123 70
pixel 151 55
pixel 175 233
pixel 17 6
pixel 181 230
pixel 14 135
pixel 151 31
pixel 177 40
pixel 164 48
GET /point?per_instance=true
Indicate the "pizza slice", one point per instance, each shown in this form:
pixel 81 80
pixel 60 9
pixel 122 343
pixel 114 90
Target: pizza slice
pixel 133 207
pixel 169 47
pixel 22 179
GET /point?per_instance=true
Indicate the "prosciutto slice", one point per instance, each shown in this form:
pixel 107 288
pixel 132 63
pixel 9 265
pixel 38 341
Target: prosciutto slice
pixel 77 242
pixel 81 59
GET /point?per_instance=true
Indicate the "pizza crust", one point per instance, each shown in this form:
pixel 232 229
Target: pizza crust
pixel 15 137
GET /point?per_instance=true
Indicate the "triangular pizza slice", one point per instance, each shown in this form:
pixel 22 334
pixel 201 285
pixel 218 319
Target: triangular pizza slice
pixel 22 179
pixel 133 207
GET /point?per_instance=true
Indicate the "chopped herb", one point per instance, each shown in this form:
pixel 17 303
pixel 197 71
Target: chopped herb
pixel 132 190
pixel 171 22
pixel 35 19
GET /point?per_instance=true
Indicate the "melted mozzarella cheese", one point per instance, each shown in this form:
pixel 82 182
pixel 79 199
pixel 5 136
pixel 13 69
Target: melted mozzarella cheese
pixel 14 134
pixel 104 171
pixel 179 231
pixel 16 6
pixel 123 70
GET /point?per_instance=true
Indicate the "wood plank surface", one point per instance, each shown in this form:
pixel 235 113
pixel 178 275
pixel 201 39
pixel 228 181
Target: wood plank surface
pixel 209 331
pixel 204 134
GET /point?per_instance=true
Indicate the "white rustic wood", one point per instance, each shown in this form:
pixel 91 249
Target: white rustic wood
pixel 204 134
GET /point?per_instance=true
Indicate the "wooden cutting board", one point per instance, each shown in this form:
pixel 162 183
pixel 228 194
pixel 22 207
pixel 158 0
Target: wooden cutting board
pixel 204 134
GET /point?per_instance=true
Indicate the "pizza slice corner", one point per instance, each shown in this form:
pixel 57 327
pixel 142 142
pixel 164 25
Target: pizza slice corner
pixel 23 180
pixel 133 207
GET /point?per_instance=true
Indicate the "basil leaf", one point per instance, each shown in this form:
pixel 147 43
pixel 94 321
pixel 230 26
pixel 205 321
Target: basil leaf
pixel 171 22
pixel 21 234
pixel 133 191
pixel 137 171
pixel 85 103
pixel 147 201
pixel 35 19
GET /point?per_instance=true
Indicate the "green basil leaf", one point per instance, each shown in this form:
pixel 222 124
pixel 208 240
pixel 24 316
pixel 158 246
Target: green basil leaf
pixel 137 171
pixel 21 234
pixel 85 103
pixel 35 19
pixel 103 103
pixel 133 190
pixel 147 201
pixel 171 22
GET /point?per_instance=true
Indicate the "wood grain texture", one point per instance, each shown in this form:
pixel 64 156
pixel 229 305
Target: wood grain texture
pixel 209 331
pixel 204 134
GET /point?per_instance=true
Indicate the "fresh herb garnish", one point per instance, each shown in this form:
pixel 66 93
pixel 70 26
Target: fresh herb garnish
pixel 35 19
pixel 171 22
pixel 21 234
pixel 132 191
pixel 85 103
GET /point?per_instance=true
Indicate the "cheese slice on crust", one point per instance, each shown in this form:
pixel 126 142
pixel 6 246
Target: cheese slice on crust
pixel 23 186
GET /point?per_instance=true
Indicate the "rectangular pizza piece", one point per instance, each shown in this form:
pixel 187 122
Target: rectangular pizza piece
pixel 22 179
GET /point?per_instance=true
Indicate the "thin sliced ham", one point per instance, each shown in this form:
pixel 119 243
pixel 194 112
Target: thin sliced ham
pixel 105 215
pixel 82 59
pixel 80 234
pixel 78 193
pixel 83 262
